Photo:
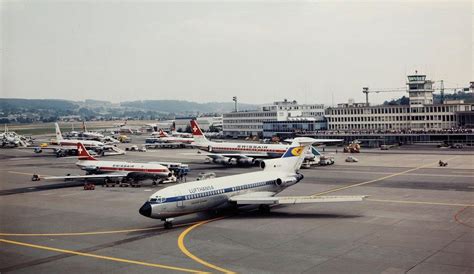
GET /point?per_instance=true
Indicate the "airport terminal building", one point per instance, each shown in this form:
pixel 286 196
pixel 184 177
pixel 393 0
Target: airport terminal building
pixel 277 116
pixel 420 114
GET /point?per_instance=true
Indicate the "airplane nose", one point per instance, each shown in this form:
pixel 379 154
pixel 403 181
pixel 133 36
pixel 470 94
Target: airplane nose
pixel 145 210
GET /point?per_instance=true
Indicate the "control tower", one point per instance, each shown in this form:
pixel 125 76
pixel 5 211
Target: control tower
pixel 420 90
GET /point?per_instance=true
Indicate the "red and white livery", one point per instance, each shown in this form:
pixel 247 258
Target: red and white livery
pixel 115 169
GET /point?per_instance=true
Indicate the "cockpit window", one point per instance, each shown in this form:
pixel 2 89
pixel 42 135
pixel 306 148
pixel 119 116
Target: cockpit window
pixel 158 199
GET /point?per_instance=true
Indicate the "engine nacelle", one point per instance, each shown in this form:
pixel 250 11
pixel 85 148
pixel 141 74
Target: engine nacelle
pixel 288 181
pixel 222 161
pixel 246 161
pixel 90 169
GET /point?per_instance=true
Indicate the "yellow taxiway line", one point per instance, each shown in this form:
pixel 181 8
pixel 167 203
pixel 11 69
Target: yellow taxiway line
pixel 470 175
pixel 376 180
pixel 24 173
pixel 186 252
pixel 100 256
pixel 418 202
pixel 89 233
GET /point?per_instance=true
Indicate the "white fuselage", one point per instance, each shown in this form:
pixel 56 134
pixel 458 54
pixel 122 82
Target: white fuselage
pixel 171 139
pixel 271 150
pixel 213 193
pixel 100 167
pixel 86 143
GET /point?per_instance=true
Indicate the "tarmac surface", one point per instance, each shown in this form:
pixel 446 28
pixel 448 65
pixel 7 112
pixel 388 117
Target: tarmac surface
pixel 419 218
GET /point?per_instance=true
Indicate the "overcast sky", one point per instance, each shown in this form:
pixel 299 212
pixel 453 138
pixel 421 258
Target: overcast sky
pixel 311 51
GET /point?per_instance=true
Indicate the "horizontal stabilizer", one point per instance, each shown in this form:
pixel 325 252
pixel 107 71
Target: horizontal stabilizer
pixel 265 200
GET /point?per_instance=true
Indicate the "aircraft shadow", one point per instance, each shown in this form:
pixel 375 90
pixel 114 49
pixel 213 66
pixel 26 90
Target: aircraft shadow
pixel 293 215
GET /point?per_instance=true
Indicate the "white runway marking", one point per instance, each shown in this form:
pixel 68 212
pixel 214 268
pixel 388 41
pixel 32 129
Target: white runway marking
pixel 70 194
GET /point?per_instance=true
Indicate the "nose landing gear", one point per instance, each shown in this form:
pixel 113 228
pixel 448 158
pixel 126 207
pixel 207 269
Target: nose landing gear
pixel 168 223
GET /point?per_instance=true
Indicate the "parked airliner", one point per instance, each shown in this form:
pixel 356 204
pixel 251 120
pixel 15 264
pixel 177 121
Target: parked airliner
pixel 113 169
pixel 254 188
pixel 63 147
pixel 244 153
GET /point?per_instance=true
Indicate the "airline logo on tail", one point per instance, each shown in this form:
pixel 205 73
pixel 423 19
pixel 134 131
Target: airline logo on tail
pixel 294 151
pixel 83 153
pixel 195 128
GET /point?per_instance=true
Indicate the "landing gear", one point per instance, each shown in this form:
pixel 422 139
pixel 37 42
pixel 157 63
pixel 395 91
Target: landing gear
pixel 265 209
pixel 168 223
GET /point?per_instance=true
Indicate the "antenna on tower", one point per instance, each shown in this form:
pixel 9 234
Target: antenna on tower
pixel 441 89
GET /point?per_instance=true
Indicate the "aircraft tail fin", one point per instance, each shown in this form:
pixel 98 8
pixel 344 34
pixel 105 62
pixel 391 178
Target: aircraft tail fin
pixel 292 159
pixel 162 133
pixel 315 151
pixel 83 153
pixel 198 136
pixel 59 136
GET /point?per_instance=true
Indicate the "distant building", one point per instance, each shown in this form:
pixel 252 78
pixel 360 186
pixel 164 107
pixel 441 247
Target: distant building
pixel 293 126
pixel 420 114
pixel 250 123
pixel 205 122
pixel 70 118
pixel 181 123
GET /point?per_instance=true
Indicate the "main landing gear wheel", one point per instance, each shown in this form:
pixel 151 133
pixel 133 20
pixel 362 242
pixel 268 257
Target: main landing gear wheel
pixel 265 209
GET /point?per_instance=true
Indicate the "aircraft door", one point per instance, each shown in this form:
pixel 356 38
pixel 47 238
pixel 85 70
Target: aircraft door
pixel 180 199
pixel 209 148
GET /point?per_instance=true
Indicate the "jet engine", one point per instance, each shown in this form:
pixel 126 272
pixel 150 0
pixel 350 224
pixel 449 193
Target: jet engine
pixel 90 169
pixel 288 181
pixel 222 161
pixel 246 161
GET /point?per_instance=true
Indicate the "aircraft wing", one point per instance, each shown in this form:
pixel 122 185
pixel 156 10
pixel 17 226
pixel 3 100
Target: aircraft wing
pixel 263 198
pixel 320 141
pixel 91 176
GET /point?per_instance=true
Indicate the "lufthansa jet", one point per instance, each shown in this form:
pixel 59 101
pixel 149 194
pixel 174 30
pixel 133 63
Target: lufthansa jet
pixel 254 188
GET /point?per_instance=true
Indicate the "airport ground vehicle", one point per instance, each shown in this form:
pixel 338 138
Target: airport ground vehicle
pixel 353 147
pixel 136 148
pixel 457 145
pixel 89 186
pixel 326 160
pixel 352 159
pixel 205 176
pixel 124 139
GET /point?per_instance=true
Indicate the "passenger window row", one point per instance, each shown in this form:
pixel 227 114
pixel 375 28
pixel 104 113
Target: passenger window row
pixel 204 194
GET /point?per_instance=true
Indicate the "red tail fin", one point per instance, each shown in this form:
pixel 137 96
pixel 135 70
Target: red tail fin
pixel 83 153
pixel 163 134
pixel 195 128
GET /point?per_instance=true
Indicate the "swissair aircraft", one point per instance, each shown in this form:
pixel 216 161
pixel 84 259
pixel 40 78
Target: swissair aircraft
pixel 90 134
pixel 113 169
pixel 63 147
pixel 12 139
pixel 165 138
pixel 254 188
pixel 243 153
